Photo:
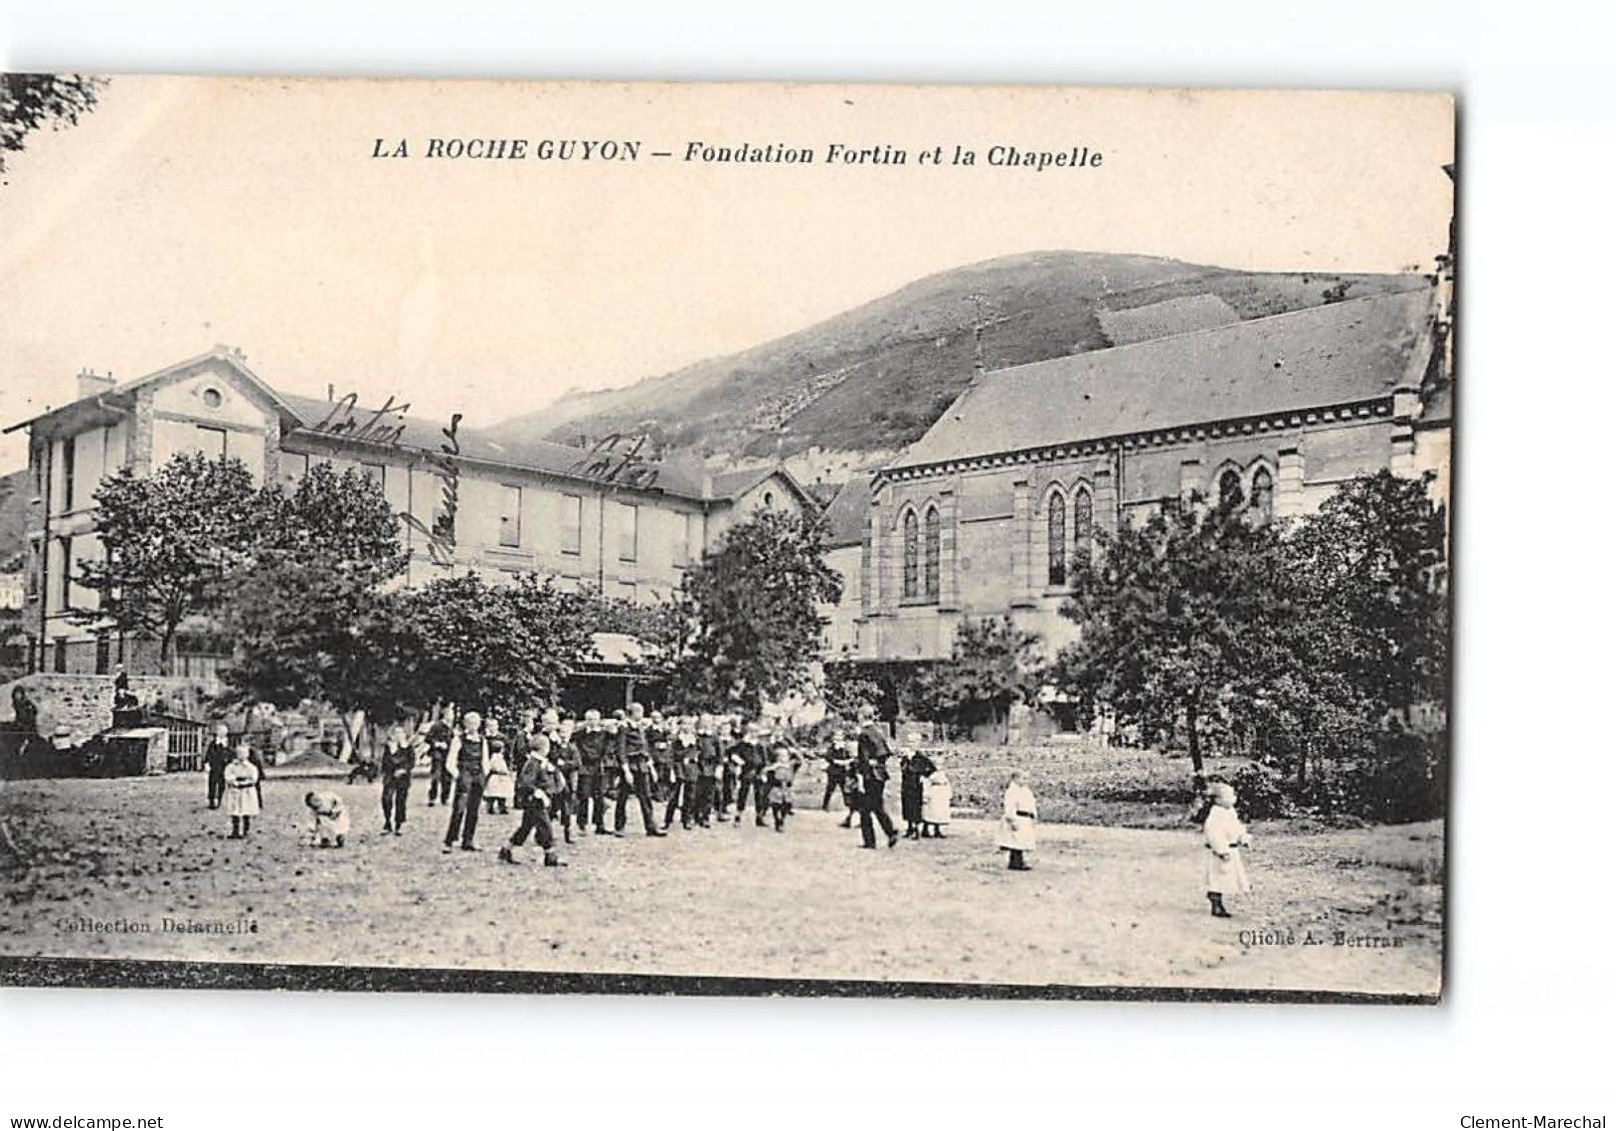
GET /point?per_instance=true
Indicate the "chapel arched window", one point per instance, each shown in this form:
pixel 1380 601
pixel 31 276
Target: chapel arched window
pixel 934 554
pixel 1057 539
pixel 1083 524
pixel 911 556
pixel 1262 493
pixel 1229 492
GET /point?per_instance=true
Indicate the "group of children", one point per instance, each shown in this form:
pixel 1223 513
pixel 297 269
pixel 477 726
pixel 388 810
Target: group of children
pixel 700 767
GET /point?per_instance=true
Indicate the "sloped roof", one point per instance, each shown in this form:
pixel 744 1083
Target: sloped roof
pixel 529 453
pixel 731 484
pixel 1327 355
pixel 847 513
pixel 734 484
pixel 1183 313
pixel 123 390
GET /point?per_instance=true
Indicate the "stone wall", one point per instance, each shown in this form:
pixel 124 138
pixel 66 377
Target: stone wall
pixel 83 703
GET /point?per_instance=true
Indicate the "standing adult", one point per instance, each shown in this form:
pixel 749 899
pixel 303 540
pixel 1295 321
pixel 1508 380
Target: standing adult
pixel 468 763
pixel 216 758
pixel 871 768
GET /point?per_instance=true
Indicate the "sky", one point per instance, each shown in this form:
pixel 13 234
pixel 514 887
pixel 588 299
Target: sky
pixel 184 213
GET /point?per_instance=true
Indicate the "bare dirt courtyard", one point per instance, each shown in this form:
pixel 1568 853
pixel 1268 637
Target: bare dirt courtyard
pixel 110 869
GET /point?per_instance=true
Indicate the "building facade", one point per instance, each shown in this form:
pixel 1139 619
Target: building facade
pixel 605 517
pixel 985 514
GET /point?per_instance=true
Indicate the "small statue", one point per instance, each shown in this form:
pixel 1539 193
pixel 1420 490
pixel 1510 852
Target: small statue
pixel 24 710
pixel 125 704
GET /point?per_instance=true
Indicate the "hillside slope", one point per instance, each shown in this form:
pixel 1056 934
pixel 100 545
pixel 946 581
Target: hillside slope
pixel 875 377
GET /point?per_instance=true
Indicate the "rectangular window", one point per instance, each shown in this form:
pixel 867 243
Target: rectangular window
pixel 211 442
pixel 61 654
pixel 69 459
pixel 572 523
pixel 628 591
pixel 628 532
pixel 510 516
pixel 103 653
pixel 65 593
pixel 376 473
pixel 687 539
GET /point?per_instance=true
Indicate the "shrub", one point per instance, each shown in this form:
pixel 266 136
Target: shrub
pixel 1260 794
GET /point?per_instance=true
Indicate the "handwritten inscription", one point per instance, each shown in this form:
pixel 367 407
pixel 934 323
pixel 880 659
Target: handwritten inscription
pixel 445 465
pixel 384 426
pixel 616 459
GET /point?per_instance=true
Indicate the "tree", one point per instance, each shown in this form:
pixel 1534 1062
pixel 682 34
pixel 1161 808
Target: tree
pixel 308 617
pixel 28 102
pixel 661 624
pixel 849 687
pixel 1369 651
pixel 173 541
pixel 752 609
pixel 992 665
pixel 1179 615
pixel 498 648
pixel 1374 558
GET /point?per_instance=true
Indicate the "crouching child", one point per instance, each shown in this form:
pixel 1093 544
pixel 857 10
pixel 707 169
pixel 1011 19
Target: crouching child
pixel 330 818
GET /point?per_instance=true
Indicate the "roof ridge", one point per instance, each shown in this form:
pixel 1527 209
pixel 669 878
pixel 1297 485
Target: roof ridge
pixel 1204 330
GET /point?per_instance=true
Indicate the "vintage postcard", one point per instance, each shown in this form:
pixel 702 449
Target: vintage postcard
pixel 725 538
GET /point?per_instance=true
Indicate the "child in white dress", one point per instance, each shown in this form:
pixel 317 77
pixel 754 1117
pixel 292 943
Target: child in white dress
pixel 241 783
pixel 1224 836
pixel 936 800
pixel 1018 827
pixel 500 788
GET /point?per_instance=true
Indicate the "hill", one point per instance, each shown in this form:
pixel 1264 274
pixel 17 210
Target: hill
pixel 874 378
pixel 15 491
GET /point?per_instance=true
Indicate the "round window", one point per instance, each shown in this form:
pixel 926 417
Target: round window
pixel 212 397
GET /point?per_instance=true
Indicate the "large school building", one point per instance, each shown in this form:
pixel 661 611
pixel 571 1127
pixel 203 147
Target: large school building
pixel 605 517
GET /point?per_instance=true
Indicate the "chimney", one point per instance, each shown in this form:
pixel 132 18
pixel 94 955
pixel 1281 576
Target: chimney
pixel 330 392
pixel 93 384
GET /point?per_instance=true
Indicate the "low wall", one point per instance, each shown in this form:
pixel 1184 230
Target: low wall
pixel 83 703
